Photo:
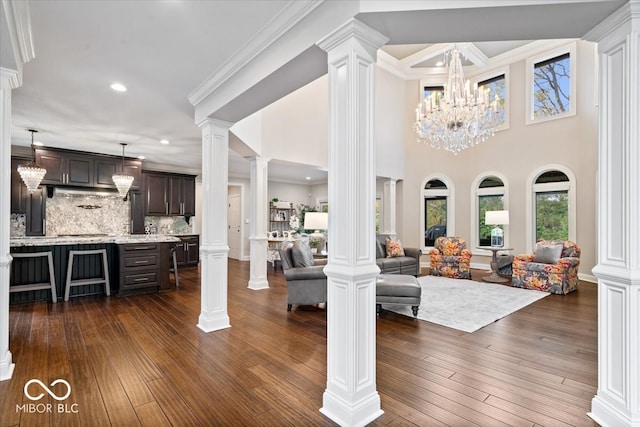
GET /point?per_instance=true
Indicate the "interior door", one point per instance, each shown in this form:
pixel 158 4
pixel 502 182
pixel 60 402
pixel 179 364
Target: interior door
pixel 235 224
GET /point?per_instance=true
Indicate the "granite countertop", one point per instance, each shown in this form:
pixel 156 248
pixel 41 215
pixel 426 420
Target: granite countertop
pixel 80 240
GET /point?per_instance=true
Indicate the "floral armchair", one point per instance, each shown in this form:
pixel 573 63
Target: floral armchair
pixel 553 267
pixel 451 258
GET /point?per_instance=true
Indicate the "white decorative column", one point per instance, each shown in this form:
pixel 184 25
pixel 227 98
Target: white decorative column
pixel 389 208
pixel 617 402
pixel 214 249
pixel 351 398
pixel 8 81
pixel 258 239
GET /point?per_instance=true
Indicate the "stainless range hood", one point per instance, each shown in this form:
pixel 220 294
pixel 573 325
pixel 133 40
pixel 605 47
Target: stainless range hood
pixel 86 192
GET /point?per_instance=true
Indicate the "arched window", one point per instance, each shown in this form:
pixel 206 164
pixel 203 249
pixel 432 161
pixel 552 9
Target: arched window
pixel 489 195
pixel 552 204
pixel 437 210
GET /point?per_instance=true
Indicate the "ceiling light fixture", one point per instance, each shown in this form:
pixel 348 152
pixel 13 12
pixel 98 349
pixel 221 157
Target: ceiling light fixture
pixel 118 87
pixel 164 141
pixel 458 117
pixel 123 182
pixel 31 173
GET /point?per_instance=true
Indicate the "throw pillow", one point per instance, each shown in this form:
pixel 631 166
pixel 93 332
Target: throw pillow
pixel 301 254
pixel 394 248
pixel 548 254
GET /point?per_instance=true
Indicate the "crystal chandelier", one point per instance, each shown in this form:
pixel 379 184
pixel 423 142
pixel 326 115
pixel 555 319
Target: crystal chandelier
pixel 458 117
pixel 31 173
pixel 123 182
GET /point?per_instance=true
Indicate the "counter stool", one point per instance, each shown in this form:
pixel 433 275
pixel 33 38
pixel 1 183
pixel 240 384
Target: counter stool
pixel 51 284
pixel 89 281
pixel 174 268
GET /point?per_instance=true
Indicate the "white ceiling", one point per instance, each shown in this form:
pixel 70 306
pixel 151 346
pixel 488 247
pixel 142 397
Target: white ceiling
pixel 162 50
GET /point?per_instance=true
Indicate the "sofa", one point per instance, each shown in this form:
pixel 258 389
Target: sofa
pixel 552 267
pixel 409 263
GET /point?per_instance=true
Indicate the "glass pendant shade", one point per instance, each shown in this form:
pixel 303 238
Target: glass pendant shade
pixel 460 116
pixel 32 174
pixel 121 180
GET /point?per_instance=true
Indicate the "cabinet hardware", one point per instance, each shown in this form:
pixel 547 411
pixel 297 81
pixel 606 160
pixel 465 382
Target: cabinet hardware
pixel 141 279
pixel 166 209
pixel 141 262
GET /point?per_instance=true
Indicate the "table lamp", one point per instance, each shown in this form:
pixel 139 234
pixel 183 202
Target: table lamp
pixel 497 218
pixel 317 221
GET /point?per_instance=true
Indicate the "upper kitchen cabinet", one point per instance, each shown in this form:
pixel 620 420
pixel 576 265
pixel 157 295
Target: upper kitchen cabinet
pixel 79 169
pixel 19 191
pixel 168 194
pixel 33 206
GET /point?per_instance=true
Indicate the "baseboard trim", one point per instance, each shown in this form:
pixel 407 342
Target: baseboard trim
pixel 587 278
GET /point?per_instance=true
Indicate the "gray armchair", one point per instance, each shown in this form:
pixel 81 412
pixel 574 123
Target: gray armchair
pixel 305 285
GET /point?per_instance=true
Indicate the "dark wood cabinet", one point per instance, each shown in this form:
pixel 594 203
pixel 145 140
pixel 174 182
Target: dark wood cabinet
pixel 79 169
pixel 143 267
pixel 188 251
pixel 36 213
pixel 169 194
pixel 136 205
pixel 19 191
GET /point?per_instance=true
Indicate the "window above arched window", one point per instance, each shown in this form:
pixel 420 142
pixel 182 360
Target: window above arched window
pixel 437 210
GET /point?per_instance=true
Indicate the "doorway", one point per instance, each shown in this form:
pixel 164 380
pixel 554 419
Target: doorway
pixel 234 220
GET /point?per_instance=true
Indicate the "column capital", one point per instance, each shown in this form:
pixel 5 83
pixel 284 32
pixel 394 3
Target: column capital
pixel 215 123
pixel 10 78
pixel 353 29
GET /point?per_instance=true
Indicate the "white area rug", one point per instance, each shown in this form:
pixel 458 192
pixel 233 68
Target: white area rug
pixel 467 305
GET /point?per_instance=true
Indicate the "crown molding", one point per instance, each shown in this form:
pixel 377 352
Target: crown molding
pixel 19 25
pixel 627 13
pixel 294 12
pixel 12 76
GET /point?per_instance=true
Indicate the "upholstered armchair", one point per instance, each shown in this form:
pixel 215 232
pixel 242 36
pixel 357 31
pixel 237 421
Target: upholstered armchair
pixel 552 267
pixel 451 258
pixel 306 281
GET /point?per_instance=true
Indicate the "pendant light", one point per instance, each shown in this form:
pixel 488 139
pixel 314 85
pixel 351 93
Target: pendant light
pixel 31 173
pixel 123 182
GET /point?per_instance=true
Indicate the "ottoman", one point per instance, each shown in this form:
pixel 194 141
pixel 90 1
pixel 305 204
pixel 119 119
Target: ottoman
pixel 398 289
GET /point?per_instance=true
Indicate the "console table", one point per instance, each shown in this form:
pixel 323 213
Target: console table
pixel 494 277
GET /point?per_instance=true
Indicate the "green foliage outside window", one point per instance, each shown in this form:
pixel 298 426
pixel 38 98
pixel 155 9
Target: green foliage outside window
pixel 435 211
pixel 552 215
pixel 487 203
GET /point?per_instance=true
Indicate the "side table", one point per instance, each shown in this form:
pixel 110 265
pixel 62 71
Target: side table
pixel 494 277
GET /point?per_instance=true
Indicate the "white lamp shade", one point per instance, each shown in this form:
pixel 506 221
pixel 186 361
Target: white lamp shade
pixel 496 217
pixel 316 220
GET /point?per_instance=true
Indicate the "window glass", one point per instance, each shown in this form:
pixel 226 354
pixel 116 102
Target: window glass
pixel 436 199
pixel 497 86
pixel 552 87
pixel 486 203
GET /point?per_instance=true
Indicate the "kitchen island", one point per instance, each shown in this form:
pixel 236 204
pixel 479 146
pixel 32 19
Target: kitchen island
pixel 136 263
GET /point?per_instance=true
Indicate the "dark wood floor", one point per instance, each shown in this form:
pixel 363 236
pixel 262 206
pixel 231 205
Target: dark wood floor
pixel 141 360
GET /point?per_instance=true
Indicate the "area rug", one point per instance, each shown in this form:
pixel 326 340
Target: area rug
pixel 467 305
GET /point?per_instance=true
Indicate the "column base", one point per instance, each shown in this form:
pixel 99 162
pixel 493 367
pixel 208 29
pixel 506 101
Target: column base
pixel 258 284
pixel 606 415
pixel 6 367
pixel 210 324
pixel 350 415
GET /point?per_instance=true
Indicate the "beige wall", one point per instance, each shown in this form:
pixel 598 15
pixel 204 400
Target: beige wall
pixel 514 153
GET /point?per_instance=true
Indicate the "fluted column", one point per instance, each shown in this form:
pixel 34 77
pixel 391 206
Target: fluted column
pixel 389 208
pixel 617 402
pixel 351 398
pixel 8 81
pixel 258 239
pixel 214 248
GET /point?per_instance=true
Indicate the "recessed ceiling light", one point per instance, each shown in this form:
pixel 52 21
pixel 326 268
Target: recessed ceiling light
pixel 439 64
pixel 164 141
pixel 307 178
pixel 141 157
pixel 118 87
pixel 38 143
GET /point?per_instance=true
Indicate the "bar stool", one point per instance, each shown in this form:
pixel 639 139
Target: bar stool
pixel 89 281
pixel 174 269
pixel 51 284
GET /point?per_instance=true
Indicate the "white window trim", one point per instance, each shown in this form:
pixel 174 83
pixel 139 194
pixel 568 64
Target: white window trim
pixel 495 73
pixel 530 63
pixel 531 205
pixel 475 193
pixel 450 193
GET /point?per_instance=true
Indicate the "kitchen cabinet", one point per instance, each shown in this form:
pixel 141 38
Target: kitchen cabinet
pixel 79 169
pixel 143 267
pixel 33 206
pixel 188 251
pixel 136 206
pixel 169 194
